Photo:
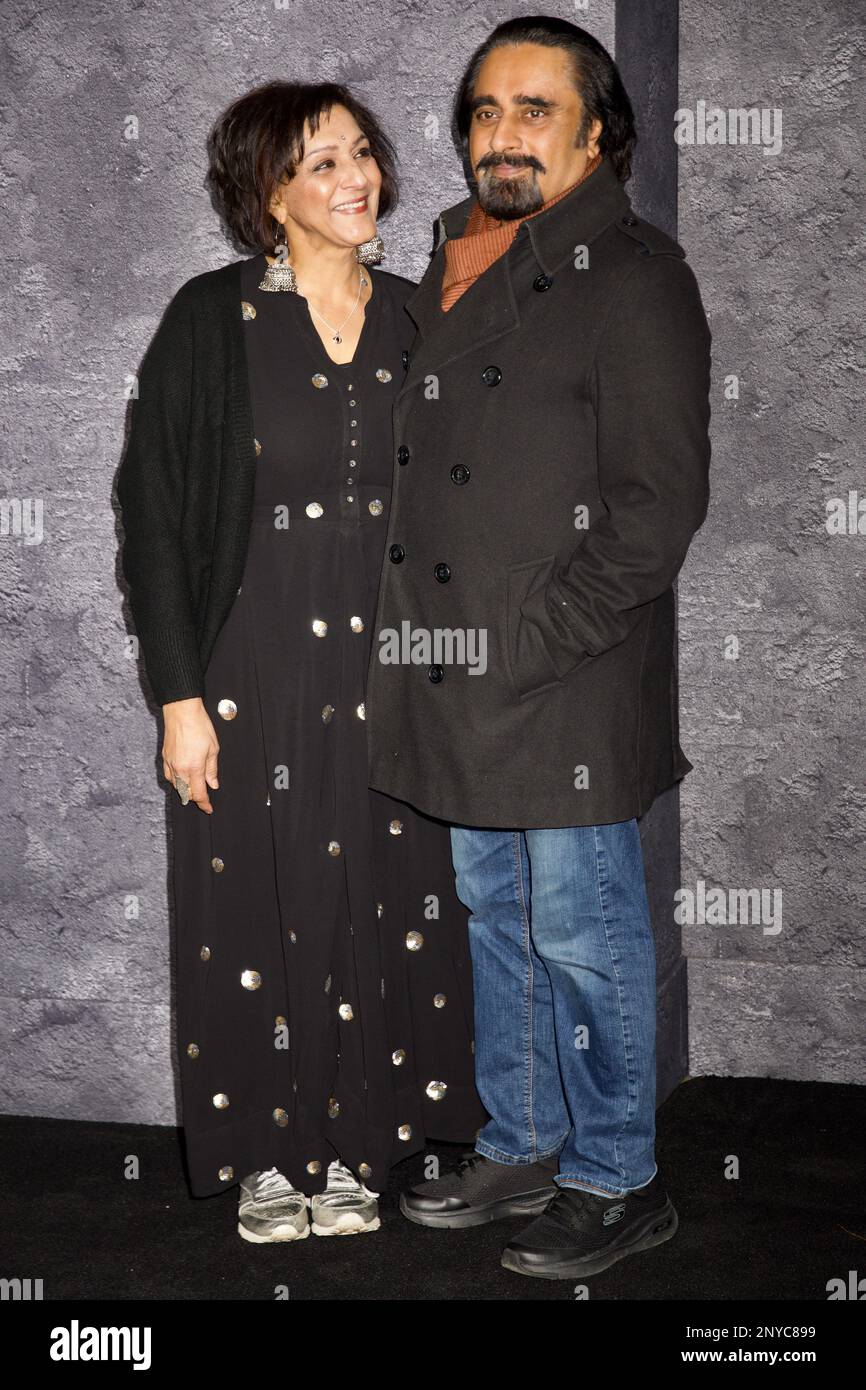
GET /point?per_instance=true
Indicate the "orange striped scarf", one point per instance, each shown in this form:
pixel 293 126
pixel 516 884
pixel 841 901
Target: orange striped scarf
pixel 484 241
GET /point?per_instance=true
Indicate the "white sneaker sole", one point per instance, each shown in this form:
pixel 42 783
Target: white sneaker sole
pixel 349 1223
pixel 281 1233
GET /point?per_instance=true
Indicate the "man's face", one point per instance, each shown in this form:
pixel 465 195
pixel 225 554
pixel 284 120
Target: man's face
pixel 525 116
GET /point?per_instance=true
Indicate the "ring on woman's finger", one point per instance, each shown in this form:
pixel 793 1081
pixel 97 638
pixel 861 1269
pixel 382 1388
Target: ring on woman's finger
pixel 183 788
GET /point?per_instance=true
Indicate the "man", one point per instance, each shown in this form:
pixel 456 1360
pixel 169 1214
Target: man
pixel 552 468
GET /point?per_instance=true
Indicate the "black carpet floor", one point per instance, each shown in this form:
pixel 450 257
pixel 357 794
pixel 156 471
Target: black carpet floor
pixel 794 1218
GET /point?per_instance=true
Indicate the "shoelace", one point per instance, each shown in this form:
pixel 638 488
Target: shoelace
pixel 341 1179
pixel 270 1183
pixel 468 1163
pixel 560 1207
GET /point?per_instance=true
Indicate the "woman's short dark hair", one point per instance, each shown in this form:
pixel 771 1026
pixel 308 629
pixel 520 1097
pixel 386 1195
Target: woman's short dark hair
pixel 259 140
pixel 595 76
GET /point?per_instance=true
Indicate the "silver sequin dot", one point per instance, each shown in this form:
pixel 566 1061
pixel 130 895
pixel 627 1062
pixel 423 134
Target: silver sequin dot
pixel 327 713
pixel 192 1049
pixel 281 1117
pixel 379 909
pixel 248 310
pixel 346 1012
pixel 226 1174
pixel 320 627
pixel 356 624
pixel 376 507
pixel 404 1132
pixel 414 941
pixel 398 1057
pixel 227 709
pixel 220 1100
pixel 293 937
pixel 319 380
pixel 217 864
pixel 436 1089
pixel 314 1166
pixel 382 374
pixel 440 1000
pixel 250 979
pixel 314 509
pixel 396 827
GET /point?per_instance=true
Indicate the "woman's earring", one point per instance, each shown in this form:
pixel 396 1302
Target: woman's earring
pixel 369 252
pixel 280 276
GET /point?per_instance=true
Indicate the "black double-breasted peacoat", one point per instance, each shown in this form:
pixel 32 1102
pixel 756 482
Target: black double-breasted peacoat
pixel 552 461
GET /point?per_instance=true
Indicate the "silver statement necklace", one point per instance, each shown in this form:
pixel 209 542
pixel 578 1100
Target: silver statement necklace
pixel 336 333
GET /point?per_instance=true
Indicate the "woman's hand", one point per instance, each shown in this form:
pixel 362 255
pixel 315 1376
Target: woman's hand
pixel 190 749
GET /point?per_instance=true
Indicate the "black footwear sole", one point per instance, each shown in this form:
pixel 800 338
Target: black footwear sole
pixel 522 1204
pixel 658 1227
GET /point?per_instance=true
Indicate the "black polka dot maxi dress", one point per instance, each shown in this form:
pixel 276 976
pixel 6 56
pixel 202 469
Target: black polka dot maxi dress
pixel 324 995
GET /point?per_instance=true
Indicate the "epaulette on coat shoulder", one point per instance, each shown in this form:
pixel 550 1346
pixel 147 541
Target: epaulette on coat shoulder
pixel 649 240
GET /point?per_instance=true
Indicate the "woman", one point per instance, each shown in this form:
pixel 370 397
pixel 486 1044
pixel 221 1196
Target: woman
pixel 324 986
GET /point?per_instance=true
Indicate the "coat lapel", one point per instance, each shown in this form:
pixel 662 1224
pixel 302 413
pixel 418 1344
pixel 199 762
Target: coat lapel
pixel 488 309
pixel 483 314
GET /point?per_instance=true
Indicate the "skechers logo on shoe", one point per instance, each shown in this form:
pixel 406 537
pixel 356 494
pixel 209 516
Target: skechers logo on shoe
pixel 614 1214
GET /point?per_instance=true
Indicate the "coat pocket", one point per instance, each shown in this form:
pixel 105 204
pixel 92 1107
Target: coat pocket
pixel 530 667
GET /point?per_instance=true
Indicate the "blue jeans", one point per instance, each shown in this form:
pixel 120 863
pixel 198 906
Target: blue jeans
pixel 564 971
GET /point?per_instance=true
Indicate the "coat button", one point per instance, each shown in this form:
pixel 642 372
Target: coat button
pixel 542 282
pixel 403 454
pixel 442 572
pixel 435 674
pixel 396 554
pixel 460 474
pixel 491 376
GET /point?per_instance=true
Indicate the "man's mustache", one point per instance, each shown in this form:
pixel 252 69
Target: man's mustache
pixel 528 162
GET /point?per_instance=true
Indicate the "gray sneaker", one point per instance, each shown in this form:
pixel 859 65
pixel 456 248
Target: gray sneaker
pixel 346 1207
pixel 271 1209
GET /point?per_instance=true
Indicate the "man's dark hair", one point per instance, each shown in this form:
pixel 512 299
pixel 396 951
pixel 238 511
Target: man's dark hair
pixel 595 76
pixel 259 140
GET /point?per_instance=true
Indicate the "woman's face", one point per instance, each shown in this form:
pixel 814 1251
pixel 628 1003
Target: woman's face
pixel 335 191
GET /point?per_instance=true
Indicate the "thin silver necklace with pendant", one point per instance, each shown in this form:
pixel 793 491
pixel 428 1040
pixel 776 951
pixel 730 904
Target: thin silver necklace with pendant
pixel 336 332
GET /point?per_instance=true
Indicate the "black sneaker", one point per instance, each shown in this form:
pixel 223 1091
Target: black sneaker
pixel 480 1190
pixel 581 1232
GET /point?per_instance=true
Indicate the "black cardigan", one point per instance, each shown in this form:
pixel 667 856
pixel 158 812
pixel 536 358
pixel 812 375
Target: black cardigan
pixel 186 482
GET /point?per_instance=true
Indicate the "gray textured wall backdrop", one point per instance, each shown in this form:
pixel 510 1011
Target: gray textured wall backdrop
pixel 99 231
pixel 772 639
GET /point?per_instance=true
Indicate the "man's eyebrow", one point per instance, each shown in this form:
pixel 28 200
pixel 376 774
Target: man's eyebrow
pixel 520 99
pixel 319 148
